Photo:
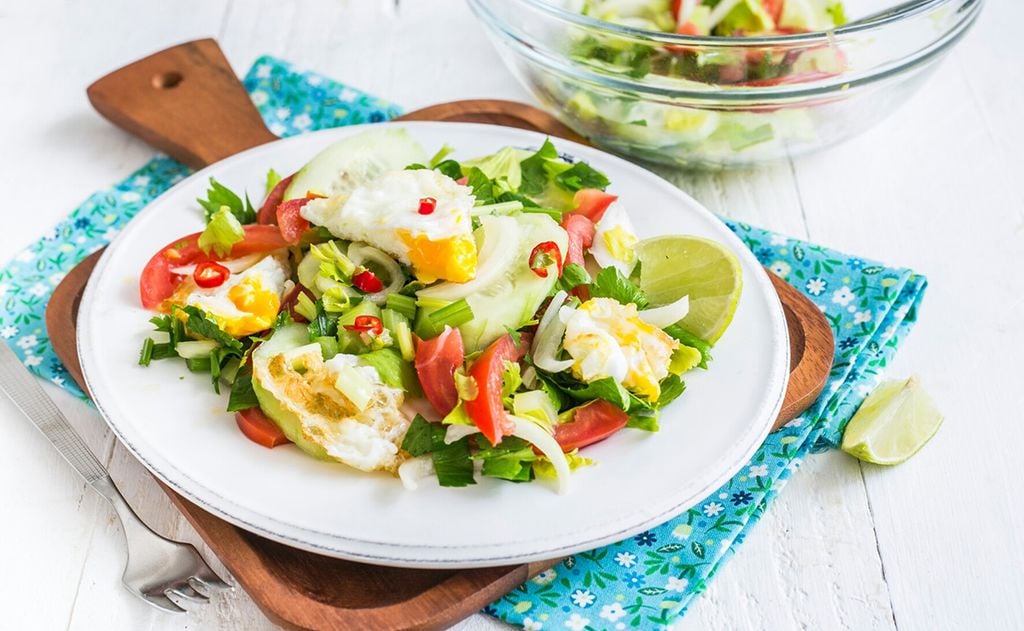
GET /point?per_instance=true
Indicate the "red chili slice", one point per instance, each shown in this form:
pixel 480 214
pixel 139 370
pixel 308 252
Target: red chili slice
pixel 543 255
pixel 427 205
pixel 366 324
pixel 367 282
pixel 268 211
pixel 209 274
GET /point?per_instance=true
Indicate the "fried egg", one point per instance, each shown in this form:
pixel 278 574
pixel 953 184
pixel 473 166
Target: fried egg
pixel 366 438
pixel 246 303
pixel 615 240
pixel 385 214
pixel 608 339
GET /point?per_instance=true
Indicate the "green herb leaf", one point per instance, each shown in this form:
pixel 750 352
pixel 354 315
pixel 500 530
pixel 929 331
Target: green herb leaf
pixel 418 438
pixel 219 195
pixel 482 187
pixel 646 420
pixel 452 463
pixel 581 175
pixel 511 459
pixel 608 389
pixel 533 174
pixel 393 370
pixel 671 387
pixel 242 396
pixel 610 283
pixel 451 168
pixel 199 324
pixel 322 324
pixel 573 275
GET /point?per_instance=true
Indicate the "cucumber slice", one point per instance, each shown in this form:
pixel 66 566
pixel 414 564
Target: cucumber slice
pixel 356 160
pixel 512 293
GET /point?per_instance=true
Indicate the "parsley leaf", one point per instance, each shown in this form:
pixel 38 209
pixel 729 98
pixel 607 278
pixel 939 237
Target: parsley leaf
pixel 322 325
pixel 219 195
pixel 483 188
pixel 418 438
pixel 534 173
pixel 511 459
pixel 201 325
pixel 610 283
pixel 452 463
pixel 449 167
pixel 581 175
pixel 242 395
pixel 573 275
pixel 671 387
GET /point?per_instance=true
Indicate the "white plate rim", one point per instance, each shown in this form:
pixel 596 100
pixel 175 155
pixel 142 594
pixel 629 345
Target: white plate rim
pixel 406 555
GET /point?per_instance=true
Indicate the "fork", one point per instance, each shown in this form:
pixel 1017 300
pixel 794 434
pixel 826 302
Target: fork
pixel 157 568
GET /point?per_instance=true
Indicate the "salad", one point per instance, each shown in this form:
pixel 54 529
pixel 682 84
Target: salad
pixel 678 132
pixel 426 316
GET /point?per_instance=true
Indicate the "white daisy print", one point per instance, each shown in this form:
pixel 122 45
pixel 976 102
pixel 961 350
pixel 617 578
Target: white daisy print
pixel 583 598
pixel 8 332
pixel 682 531
pixel 58 381
pixel 140 180
pixel 130 196
pixel 612 612
pixel 781 268
pixel 815 286
pixel 842 296
pixel 282 112
pixel 758 471
pixel 302 121
pixel 263 71
pixel 348 95
pixel 33 360
pixel 713 508
pixel 27 342
pixel 259 98
pixel 529 624
pixel 314 79
pixel 675 584
pixel 577 622
pixel 625 559
pixel 278 129
pixel 545 577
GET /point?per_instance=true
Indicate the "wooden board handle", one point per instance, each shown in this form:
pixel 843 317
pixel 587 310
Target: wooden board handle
pixel 186 101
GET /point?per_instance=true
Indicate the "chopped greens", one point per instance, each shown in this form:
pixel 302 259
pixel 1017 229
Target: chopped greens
pixel 219 196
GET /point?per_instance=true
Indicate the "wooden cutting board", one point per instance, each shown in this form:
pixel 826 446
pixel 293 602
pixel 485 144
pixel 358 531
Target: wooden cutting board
pixel 187 102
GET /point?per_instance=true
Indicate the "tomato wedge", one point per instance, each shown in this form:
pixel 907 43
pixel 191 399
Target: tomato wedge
pixel 268 211
pixel 292 299
pixel 592 202
pixel 260 429
pixel 581 236
pixel 158 281
pixel 591 423
pixel 436 362
pixel 290 220
pixel 486 410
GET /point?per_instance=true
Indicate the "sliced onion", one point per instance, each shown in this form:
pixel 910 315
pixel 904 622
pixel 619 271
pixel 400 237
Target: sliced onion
pixel 667 315
pixel 458 432
pixel 545 442
pixel 549 337
pixel 362 254
pixel 497 254
pixel 235 266
pixel 412 471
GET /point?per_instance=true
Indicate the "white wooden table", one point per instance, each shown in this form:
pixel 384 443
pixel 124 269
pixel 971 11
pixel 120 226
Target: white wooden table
pixel 935 543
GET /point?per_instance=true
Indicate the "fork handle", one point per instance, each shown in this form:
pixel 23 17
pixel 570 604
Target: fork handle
pixel 28 396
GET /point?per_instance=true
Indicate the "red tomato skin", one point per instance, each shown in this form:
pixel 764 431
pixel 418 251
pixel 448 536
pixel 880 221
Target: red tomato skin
pixel 290 220
pixel 268 211
pixel 773 8
pixel 581 236
pixel 591 423
pixel 592 202
pixel 260 429
pixel 486 410
pixel 436 362
pixel 157 282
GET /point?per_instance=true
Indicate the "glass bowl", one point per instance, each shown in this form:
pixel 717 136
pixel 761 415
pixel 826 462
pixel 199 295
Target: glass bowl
pixel 714 102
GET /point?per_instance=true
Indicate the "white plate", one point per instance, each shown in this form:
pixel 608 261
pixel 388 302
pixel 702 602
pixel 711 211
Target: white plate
pixel 173 422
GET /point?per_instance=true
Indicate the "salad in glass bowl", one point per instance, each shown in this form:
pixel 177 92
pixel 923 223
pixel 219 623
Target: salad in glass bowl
pixel 720 83
pixel 426 316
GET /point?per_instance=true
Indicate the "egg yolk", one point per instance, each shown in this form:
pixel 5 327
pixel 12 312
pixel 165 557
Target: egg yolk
pixel 452 259
pixel 620 243
pixel 259 304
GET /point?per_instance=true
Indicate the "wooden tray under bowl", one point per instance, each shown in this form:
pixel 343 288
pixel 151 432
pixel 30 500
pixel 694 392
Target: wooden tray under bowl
pixel 187 102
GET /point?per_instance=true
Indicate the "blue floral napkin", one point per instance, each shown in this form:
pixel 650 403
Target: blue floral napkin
pixel 646 581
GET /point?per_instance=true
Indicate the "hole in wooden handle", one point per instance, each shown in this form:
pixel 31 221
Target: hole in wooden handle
pixel 167 80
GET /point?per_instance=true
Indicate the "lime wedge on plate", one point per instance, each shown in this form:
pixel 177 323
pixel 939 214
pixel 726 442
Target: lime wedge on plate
pixel 674 266
pixel 892 424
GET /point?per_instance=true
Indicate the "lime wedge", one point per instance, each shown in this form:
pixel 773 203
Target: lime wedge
pixel 674 266
pixel 892 424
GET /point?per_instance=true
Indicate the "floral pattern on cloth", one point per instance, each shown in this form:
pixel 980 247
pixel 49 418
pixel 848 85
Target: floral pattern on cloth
pixel 291 102
pixel 648 580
